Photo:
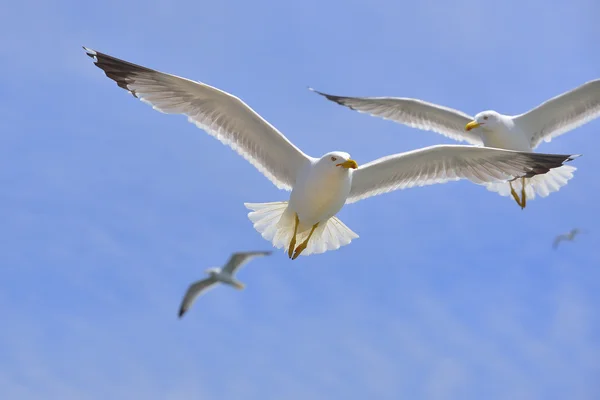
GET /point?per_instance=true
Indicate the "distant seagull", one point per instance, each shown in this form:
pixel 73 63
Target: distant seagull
pixel 523 132
pixel 223 275
pixel 320 186
pixel 570 236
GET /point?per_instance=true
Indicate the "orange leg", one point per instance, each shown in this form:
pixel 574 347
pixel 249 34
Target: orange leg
pixel 303 245
pixel 293 241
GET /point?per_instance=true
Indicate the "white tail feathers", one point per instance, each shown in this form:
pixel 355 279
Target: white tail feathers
pixel 275 222
pixel 238 285
pixel 543 184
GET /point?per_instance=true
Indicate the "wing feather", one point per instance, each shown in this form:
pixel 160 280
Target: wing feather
pixel 219 113
pixel 562 113
pixel 440 164
pixel 238 260
pixel 193 292
pixel 414 113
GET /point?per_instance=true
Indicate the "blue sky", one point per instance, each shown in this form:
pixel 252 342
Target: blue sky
pixel 109 209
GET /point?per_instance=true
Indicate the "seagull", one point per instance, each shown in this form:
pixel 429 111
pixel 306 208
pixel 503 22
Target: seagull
pixel 223 275
pixel 570 236
pixel 522 132
pixel 320 186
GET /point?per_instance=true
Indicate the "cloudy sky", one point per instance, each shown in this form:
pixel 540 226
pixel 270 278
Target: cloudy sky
pixel 108 209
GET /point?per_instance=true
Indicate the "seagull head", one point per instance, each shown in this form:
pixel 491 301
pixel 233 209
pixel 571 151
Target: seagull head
pixel 338 159
pixel 212 271
pixel 484 118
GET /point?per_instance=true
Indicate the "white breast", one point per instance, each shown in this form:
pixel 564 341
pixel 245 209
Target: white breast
pixel 506 136
pixel 224 277
pixel 320 192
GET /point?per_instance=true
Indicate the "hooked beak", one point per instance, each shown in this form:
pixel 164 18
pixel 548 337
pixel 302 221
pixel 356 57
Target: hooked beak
pixel 348 164
pixel 472 125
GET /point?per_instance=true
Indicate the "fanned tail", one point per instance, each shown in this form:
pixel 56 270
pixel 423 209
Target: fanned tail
pixel 542 185
pixel 275 222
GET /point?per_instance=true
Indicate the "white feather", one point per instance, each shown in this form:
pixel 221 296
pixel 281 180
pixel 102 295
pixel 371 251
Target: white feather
pixel 561 114
pixel 542 185
pixel 438 164
pixel 414 113
pixel 275 222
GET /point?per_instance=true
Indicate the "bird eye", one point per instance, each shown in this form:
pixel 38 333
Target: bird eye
pixel 486 117
pixel 333 158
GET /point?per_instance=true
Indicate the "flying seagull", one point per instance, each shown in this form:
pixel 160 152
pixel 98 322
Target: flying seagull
pixel 570 236
pixel 319 186
pixel 224 275
pixel 522 132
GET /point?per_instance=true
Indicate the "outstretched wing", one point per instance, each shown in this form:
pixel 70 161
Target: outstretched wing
pixel 193 292
pixel 414 113
pixel 562 113
pixel 219 113
pixel 440 164
pixel 237 260
pixel 559 239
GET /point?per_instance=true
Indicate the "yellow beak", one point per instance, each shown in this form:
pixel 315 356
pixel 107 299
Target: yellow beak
pixel 472 125
pixel 348 164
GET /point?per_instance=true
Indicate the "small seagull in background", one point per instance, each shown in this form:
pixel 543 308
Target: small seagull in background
pixel 216 275
pixel 570 236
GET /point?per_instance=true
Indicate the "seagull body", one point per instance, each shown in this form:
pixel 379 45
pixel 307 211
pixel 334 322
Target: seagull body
pixel 569 236
pixel 321 191
pixel 504 134
pixel 522 132
pixel 224 275
pixel 319 187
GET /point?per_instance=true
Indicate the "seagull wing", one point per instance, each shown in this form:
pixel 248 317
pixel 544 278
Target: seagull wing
pixel 220 114
pixel 193 292
pixel 414 113
pixel 558 239
pixel 237 260
pixel 440 164
pixel 562 113
pixel 574 233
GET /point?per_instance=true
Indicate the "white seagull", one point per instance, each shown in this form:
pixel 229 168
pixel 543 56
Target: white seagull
pixel 570 236
pixel 522 132
pixel 319 186
pixel 224 275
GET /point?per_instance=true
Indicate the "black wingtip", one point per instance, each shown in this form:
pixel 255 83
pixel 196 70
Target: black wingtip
pixel 182 310
pixel 120 71
pixel 317 92
pixel 543 163
pixel 89 52
pixel 335 99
